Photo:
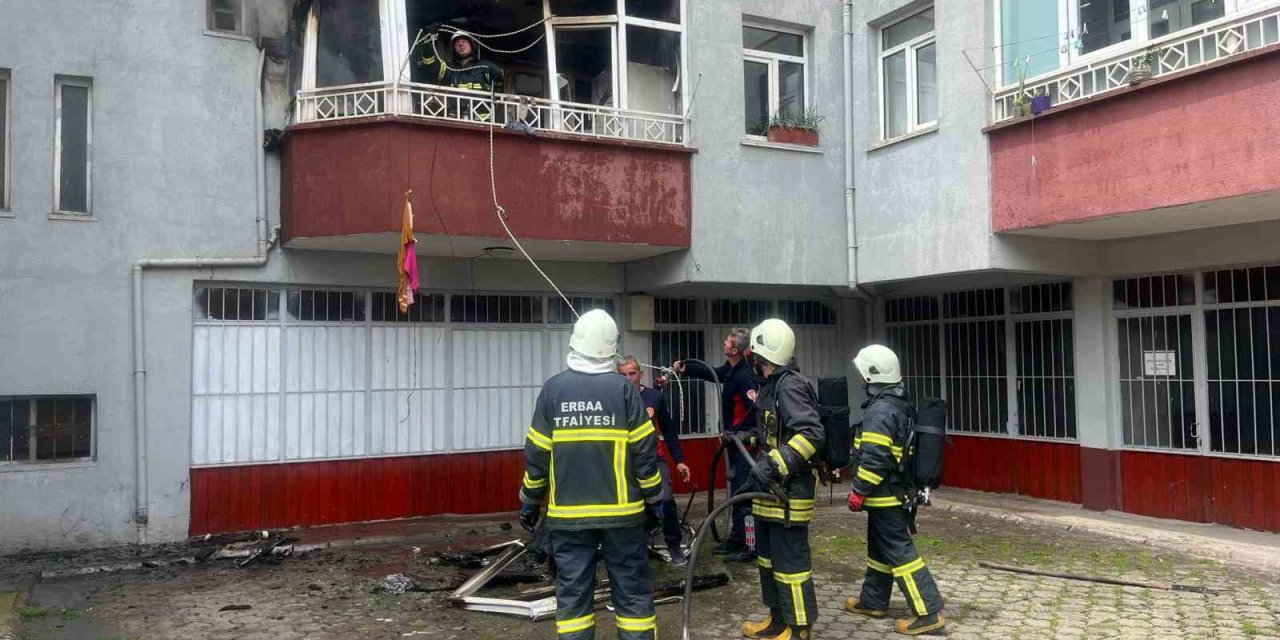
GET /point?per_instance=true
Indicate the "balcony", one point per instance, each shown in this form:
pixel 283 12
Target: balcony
pixel 591 183
pixel 1195 146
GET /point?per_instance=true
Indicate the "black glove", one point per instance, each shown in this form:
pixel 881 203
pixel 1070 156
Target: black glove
pixel 529 514
pixel 765 473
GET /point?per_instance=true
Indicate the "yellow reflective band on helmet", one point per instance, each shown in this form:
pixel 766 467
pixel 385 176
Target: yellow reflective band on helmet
pixel 530 483
pixel 595 510
pixel 870 476
pixel 637 624
pixel 879 566
pixel 802 446
pixel 576 624
pixel 589 435
pixel 792 578
pixel 764 562
pixel 540 441
pixel 909 568
pixel 884 501
pixel 652 481
pixel 776 456
pixel 637 434
pixel 877 438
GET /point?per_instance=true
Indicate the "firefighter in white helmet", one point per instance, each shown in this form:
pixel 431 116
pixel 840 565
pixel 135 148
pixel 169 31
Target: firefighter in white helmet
pixel 787 413
pixel 593 452
pixel 881 486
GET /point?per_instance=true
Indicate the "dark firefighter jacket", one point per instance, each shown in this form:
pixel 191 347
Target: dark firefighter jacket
pixel 879 442
pixel 735 381
pixel 477 73
pixel 593 449
pixel 787 409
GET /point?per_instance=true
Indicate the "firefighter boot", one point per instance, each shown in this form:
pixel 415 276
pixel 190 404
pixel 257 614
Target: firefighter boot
pixel 771 627
pixel 853 605
pixel 919 624
pixel 795 633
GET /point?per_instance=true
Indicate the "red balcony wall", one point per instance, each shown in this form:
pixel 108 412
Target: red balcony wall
pixel 1197 136
pixel 349 178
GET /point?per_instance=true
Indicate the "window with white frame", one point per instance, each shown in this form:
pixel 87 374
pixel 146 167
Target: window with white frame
pixel 45 429
pixel 226 16
pixel 73 144
pixel 774 75
pixel 908 76
pixel 1040 36
pixel 4 139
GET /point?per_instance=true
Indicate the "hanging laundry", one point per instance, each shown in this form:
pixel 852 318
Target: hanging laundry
pixel 407 262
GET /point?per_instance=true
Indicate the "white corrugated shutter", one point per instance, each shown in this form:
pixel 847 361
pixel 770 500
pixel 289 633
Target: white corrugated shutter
pixel 496 375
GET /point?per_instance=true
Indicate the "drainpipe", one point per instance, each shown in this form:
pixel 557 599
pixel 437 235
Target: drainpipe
pixel 264 243
pixel 851 224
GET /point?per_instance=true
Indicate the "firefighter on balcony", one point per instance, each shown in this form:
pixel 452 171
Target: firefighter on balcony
pixel 787 410
pixel 593 452
pixel 465 69
pixel 881 486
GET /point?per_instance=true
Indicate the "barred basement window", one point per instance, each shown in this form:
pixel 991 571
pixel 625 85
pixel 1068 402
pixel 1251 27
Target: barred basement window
pixel 46 429
pixel 426 307
pixel 1258 284
pixel 1157 395
pixel 916 309
pixel 1041 298
pixel 806 312
pixel 1243 353
pixel 973 304
pixel 1154 291
pixel 240 304
pixel 559 313
pixel 1046 378
pixel 917 349
pixel 316 305
pixel 678 311
pixel 496 309
pixel 976 368
pixel 740 312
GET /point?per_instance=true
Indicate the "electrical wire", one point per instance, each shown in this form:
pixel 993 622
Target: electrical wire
pixel 449 27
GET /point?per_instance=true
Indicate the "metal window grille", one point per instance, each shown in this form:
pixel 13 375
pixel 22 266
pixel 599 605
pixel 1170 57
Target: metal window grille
pixel 917 349
pixel 426 307
pixel 914 309
pixel 495 309
pixel 977 303
pixel 1051 297
pixel 740 312
pixel 1046 378
pixel 976 370
pixel 1157 382
pixel 1242 336
pixel 1149 292
pixel 560 313
pixel 239 304
pixel 318 305
pixel 678 311
pixel 668 346
pixel 46 429
pixel 806 312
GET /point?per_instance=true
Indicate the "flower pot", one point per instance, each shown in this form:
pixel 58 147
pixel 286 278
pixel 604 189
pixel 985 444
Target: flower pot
pixel 793 135
pixel 1039 104
pixel 1140 72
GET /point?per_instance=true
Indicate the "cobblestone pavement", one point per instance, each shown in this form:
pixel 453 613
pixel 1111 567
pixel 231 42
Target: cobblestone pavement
pixel 328 594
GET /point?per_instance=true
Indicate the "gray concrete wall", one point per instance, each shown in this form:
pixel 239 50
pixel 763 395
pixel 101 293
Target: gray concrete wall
pixel 760 215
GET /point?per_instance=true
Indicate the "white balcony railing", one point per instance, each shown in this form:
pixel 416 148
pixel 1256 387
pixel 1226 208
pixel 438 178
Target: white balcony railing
pixel 1177 52
pixel 463 105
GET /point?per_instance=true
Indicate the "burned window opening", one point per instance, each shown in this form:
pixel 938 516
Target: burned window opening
pixel 523 73
pixel 348 42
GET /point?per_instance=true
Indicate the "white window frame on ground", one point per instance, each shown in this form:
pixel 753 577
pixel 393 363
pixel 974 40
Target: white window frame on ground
pixel 237 16
pixel 30 423
pixel 6 81
pixel 924 319
pixel 771 60
pixel 1202 425
pixel 910 50
pixel 87 84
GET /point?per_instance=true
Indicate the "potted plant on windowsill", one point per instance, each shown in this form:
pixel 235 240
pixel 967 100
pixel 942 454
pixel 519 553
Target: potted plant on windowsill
pixel 1141 70
pixel 1041 101
pixel 790 128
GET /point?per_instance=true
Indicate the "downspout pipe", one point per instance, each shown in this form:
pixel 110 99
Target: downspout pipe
pixel 141 514
pixel 851 221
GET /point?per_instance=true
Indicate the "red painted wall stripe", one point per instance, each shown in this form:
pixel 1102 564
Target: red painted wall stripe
pixel 1235 492
pixel 1035 468
pixel 269 496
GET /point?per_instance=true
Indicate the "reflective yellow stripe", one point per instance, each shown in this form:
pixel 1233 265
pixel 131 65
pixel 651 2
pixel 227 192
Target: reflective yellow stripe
pixel 776 455
pixel 764 562
pixel 897 453
pixel 797 514
pixel 792 578
pixel 620 470
pixel 655 480
pixel 879 566
pixel 540 441
pixel 595 510
pixel 913 592
pixel 637 434
pixel 576 624
pixel 802 445
pixel 869 476
pixel 877 438
pixel 589 435
pixel 885 501
pixel 797 596
pixel 530 483
pixel 637 624
pixel 909 568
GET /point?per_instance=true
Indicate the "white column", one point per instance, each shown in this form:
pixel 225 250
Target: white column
pixel 1095 364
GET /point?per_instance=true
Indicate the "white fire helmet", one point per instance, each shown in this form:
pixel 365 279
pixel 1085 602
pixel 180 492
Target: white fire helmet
pixel 774 341
pixel 878 364
pixel 595 335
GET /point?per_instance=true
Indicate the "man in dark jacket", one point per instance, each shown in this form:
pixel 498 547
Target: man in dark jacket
pixel 792 434
pixel 593 452
pixel 881 487
pixel 465 70
pixel 656 406
pixel 737 384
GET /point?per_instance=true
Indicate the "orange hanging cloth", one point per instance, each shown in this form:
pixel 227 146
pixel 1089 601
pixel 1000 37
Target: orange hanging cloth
pixel 407 262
